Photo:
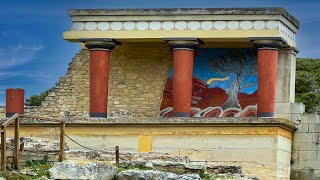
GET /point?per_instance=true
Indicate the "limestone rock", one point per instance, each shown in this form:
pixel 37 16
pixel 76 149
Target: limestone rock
pixel 136 174
pixel 83 170
pixel 149 165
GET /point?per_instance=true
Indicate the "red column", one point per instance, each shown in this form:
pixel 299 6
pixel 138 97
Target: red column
pixel 183 54
pixel 182 82
pixel 14 101
pixel 99 77
pixel 267 75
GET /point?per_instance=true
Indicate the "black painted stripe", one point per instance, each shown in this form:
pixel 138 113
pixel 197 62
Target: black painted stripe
pixel 265 114
pixel 181 114
pixel 9 114
pixel 98 114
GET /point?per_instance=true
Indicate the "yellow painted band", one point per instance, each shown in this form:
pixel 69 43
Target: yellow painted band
pixel 151 131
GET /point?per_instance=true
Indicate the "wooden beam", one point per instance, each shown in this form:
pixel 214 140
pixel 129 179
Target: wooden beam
pixel 62 140
pixel 16 144
pixel 10 120
pixel 3 150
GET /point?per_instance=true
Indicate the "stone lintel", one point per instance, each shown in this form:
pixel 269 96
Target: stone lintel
pixel 185 11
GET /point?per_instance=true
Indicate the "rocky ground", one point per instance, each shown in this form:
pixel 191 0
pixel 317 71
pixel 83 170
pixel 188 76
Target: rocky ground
pixel 101 165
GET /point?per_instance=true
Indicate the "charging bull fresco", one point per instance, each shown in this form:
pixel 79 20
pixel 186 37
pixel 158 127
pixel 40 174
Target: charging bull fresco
pixel 224 84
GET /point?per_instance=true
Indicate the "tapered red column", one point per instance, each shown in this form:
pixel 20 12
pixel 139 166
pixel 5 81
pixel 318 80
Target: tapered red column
pixel 14 101
pixel 99 77
pixel 267 75
pixel 183 55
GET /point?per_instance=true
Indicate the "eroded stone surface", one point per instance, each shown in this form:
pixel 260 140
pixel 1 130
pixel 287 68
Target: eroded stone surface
pixel 37 144
pixel 136 174
pixel 83 170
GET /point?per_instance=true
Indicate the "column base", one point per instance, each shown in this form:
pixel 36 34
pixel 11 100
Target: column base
pixel 181 114
pixel 9 114
pixel 265 114
pixel 98 114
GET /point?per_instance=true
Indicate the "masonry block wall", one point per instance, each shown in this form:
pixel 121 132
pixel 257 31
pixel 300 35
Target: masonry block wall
pixel 306 149
pixel 138 74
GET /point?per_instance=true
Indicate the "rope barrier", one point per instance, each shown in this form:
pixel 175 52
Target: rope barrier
pixel 88 148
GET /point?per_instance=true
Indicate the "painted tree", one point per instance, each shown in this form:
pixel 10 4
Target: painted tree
pixel 241 62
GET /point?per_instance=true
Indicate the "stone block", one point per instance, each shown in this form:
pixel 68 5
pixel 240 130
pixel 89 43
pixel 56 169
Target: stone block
pixel 304 137
pixel 307 155
pixel 215 142
pixel 283 157
pixel 284 144
pixel 282 108
pixel 315 128
pixel 297 108
pixel 83 170
pixel 314 164
pixel 303 128
pixel 303 174
pixel 310 119
pixel 312 146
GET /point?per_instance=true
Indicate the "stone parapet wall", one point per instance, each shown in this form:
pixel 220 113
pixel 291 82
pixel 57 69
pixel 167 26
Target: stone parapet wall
pixel 261 146
pixel 138 73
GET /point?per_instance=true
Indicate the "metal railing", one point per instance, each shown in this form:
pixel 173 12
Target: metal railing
pixel 15 118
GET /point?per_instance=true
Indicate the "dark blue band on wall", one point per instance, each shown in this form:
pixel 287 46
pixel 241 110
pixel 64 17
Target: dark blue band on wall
pixel 98 114
pixel 9 114
pixel 181 114
pixel 265 114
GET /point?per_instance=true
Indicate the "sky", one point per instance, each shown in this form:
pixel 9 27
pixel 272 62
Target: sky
pixel 33 54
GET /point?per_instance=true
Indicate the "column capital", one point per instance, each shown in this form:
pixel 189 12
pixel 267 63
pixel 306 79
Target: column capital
pixel 100 44
pixel 273 43
pixel 183 43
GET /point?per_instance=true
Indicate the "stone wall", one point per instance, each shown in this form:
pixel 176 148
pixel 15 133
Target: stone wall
pixel 2 112
pixel 138 73
pixel 306 148
pixel 262 147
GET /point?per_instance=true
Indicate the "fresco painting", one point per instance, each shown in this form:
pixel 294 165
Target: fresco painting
pixel 224 84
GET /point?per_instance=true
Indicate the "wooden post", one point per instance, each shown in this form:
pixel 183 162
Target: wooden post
pixel 62 132
pixel 16 143
pixel 21 144
pixel 3 149
pixel 117 156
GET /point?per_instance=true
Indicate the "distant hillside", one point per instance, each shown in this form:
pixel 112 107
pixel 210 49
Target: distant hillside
pixel 308 84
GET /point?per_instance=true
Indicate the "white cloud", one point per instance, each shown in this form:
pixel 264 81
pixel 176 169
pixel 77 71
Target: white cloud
pixel 4 75
pixel 18 55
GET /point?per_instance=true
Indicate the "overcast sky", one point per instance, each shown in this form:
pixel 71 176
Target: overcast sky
pixel 33 54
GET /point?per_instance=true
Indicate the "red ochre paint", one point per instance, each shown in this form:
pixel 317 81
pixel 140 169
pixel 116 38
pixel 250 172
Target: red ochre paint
pixel 182 80
pixel 99 77
pixel 267 74
pixel 14 101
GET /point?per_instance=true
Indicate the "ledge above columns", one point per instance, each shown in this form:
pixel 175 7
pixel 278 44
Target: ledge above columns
pixel 212 25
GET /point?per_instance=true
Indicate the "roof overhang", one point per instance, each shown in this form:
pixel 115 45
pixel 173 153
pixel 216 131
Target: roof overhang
pixel 209 25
